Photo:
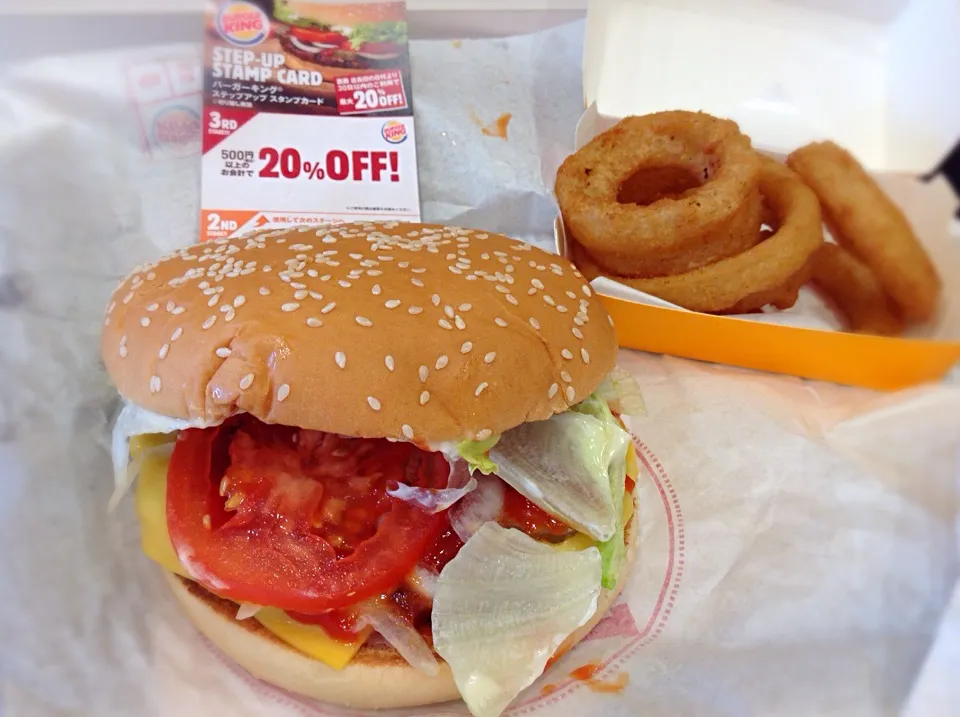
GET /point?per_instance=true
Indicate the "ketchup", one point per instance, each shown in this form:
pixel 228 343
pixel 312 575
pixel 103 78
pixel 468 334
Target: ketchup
pixel 520 513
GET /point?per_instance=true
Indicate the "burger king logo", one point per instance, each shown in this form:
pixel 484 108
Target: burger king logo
pixel 394 132
pixel 177 130
pixel 242 23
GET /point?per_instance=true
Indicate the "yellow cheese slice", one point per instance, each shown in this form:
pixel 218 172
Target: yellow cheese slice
pixel 311 639
pixel 151 501
pixel 633 466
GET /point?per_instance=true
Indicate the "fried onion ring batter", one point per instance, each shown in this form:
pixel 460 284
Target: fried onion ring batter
pixel 673 234
pixel 771 272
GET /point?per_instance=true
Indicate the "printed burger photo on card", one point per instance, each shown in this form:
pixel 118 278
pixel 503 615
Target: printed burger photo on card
pixel 307 115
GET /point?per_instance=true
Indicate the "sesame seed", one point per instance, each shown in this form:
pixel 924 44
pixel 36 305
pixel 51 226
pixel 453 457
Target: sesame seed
pixel 389 362
pixel 407 432
pixel 577 332
pixel 442 361
pixel 567 354
pixel 503 289
pixel 481 388
pixel 610 319
pixel 223 352
pixel 566 377
pixel 448 310
pixel 416 282
pixel 500 322
pixel 246 382
pixel 240 301
pixel 585 356
pixel 561 308
pixel 145 322
pixel 127 298
pixel 345 284
pixel 554 387
pixel 424 397
pixel 123 351
pixel 418 270
pixel 570 294
pixel 325 277
pixel 375 290
pixel 314 322
pixel 465 307
pixel 153 307
pixel 571 394
pixel 403 264
pixel 537 283
pixel 466 347
pixel 356 257
pixel 577 320
pixel 549 300
pixel 490 357
pixel 164 350
pixel 512 299
pixel 363 321
pixel 392 303
pixel 177 311
pixel 176 334
pixel 264 291
pixel 586 291
pixel 209 322
pixel 155 384
pixel 484 434
pixel 290 307
pixel 423 372
pixel 435 299
pixel 531 291
pixel 374 403
pixel 328 308
pixel 460 323
pixel 534 323
pixel 283 392
pixel 341 359
pixel 415 310
pixel 315 295
pixel 374 272
pixel 444 324
pixel 301 295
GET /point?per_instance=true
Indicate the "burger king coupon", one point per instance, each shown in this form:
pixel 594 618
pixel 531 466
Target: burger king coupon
pixel 306 116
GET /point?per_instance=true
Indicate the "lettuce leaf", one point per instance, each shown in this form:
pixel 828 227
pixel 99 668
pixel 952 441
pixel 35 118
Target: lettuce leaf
pixel 477 454
pixel 611 550
pixel 564 466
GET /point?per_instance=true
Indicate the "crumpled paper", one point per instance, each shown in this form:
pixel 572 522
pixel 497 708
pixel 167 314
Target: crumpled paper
pixel 798 542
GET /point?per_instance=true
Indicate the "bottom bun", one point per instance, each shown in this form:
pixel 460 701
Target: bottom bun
pixel 377 677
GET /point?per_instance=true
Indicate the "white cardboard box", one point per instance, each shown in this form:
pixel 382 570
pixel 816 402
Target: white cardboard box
pixel 877 76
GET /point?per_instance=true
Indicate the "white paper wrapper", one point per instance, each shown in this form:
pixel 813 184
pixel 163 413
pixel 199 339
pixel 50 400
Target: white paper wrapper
pixel 798 544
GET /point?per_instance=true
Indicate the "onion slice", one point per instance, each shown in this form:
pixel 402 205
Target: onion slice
pixel 402 636
pixel 482 506
pixel 503 606
pixel 437 500
pixel 247 610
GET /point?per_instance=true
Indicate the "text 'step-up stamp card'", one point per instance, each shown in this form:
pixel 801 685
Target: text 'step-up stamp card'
pixel 307 115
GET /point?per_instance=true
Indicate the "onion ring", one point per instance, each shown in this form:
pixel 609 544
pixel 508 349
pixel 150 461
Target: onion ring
pixel 769 273
pixel 863 219
pixel 848 284
pixel 674 234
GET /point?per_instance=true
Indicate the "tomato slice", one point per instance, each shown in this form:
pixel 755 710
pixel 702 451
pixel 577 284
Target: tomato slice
pixel 296 519
pixel 320 37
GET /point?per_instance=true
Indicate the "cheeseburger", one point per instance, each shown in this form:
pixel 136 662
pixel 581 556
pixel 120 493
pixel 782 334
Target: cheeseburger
pixel 342 39
pixel 377 454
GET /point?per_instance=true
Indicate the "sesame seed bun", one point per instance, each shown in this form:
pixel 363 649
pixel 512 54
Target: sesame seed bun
pixel 408 331
pixel 377 677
